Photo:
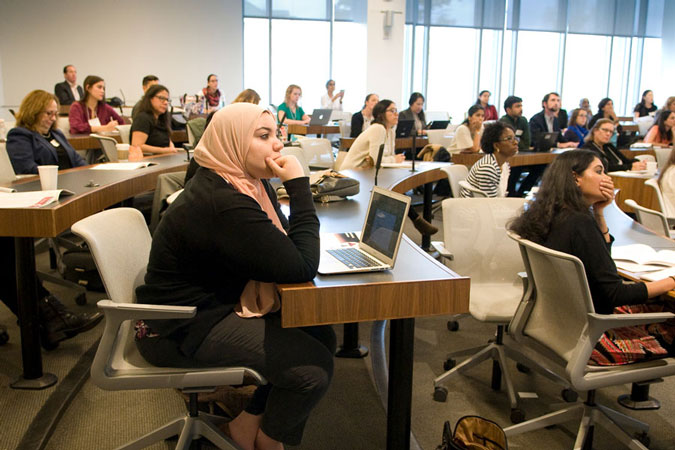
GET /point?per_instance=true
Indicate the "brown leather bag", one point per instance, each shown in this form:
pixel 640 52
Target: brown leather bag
pixel 473 433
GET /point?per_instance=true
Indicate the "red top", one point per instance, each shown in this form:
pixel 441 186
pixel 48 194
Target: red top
pixel 79 117
pixel 491 113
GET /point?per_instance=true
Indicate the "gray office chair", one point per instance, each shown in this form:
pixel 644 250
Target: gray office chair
pixel 654 220
pixel 475 231
pixel 653 183
pixel 475 193
pixel 109 147
pixel 558 288
pixel 118 364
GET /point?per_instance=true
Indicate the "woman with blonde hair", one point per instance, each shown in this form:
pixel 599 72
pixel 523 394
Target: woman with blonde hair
pixel 290 110
pixel 598 141
pixel 35 141
pixel 247 96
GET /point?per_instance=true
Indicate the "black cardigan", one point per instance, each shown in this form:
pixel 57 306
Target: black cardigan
pixel 578 234
pixel 610 156
pixel 357 124
pixel 213 240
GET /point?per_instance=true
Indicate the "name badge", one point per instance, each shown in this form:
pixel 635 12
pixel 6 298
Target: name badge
pixel 94 122
pixel 519 133
pixel 55 143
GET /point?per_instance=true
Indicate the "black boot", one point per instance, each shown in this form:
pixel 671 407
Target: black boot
pixel 58 323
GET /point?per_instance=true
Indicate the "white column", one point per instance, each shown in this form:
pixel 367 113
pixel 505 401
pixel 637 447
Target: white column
pixel 385 66
pixel 667 53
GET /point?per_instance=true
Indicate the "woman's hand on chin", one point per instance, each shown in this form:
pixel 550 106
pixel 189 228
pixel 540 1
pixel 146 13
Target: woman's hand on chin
pixel 286 167
pixel 607 191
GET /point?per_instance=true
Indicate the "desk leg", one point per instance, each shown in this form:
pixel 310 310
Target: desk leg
pixel 426 213
pixel 26 284
pixel 350 347
pixel 399 404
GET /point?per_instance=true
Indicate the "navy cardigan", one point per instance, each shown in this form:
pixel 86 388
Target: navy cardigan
pixel 28 149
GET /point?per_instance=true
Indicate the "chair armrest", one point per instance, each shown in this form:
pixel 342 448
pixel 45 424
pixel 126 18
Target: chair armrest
pixel 524 279
pixel 440 248
pixel 599 323
pixel 126 311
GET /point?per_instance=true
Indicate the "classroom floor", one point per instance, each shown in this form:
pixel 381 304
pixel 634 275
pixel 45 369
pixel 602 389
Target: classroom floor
pixel 75 414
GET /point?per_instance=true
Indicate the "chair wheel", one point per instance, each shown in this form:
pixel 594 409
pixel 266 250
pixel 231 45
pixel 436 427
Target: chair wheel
pixel 644 439
pixel 517 415
pixel 453 325
pixel 81 299
pixel 448 364
pixel 522 368
pixel 4 336
pixel 440 394
pixel 569 395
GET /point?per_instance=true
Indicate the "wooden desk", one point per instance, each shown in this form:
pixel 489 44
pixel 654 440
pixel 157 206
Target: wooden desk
pixel 632 153
pixel 417 286
pixel 401 143
pixel 632 185
pixel 313 129
pixel 519 159
pixel 24 224
pixel 86 142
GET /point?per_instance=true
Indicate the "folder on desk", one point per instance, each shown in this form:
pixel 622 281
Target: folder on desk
pixel 378 242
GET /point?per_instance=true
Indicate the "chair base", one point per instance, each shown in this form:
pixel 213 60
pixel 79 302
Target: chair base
pixel 187 428
pixel 591 414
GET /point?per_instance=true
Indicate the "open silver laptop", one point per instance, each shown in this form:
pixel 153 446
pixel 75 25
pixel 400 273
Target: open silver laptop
pixel 377 246
pixel 320 116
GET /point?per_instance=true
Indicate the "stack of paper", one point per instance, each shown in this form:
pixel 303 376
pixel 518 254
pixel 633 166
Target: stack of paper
pixel 644 260
pixel 33 199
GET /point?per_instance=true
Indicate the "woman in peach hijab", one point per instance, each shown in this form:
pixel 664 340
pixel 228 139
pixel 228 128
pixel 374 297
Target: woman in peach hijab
pixel 222 246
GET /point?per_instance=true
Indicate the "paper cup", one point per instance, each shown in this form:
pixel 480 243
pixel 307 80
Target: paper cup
pixel 651 167
pixel 123 152
pixel 48 177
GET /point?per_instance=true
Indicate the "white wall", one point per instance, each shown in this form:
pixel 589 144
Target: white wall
pixel 385 68
pixel 179 41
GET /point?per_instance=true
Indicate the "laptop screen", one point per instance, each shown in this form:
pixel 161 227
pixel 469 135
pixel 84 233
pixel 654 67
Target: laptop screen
pixel 384 224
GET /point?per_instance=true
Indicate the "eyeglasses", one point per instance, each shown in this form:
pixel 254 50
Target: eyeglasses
pixel 162 99
pixel 606 130
pixel 50 113
pixel 509 139
pixel 392 110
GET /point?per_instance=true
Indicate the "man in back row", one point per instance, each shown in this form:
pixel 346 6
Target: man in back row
pixel 148 81
pixel 68 91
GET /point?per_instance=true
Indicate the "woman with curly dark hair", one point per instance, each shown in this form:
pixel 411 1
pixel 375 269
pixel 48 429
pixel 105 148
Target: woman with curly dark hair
pixel 568 216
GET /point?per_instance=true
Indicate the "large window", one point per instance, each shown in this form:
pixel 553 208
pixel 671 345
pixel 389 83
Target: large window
pixel 305 42
pixel 580 48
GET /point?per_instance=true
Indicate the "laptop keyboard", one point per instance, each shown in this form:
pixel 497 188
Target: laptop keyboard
pixel 353 258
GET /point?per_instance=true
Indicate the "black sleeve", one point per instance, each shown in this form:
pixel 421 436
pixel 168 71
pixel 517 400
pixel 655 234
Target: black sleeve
pixel 357 125
pixel 250 244
pixel 571 136
pixel 143 123
pixel 192 169
pixel 607 287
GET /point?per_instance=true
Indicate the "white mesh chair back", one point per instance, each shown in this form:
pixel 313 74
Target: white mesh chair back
pixel 298 153
pixel 644 124
pixel 7 174
pixel 554 314
pixel 318 153
pixel 125 132
pixel 456 173
pixel 120 243
pixel 645 158
pixel 108 145
pixel 662 155
pixel 63 124
pixel 345 128
pixel 652 183
pixel 474 230
pixel 654 220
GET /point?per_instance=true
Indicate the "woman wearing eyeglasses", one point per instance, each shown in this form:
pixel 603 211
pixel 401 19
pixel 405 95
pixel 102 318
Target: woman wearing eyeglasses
pixel 598 141
pixel 151 129
pixel 91 114
pixel 35 141
pixel 490 174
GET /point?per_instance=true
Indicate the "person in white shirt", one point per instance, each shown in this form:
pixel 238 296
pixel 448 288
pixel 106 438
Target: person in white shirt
pixel 364 150
pixel 468 134
pixel 330 99
pixel 667 184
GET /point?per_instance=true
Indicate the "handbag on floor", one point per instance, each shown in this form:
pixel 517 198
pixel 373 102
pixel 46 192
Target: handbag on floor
pixel 473 433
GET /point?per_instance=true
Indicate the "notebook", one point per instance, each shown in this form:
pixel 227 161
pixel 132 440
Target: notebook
pixel 378 242
pixel 320 116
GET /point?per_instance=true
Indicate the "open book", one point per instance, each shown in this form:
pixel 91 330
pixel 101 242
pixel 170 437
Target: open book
pixel 32 199
pixel 642 258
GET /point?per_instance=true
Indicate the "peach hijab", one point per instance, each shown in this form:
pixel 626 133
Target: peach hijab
pixel 223 149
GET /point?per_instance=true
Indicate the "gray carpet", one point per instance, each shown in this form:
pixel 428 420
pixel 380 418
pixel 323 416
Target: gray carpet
pixel 349 417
